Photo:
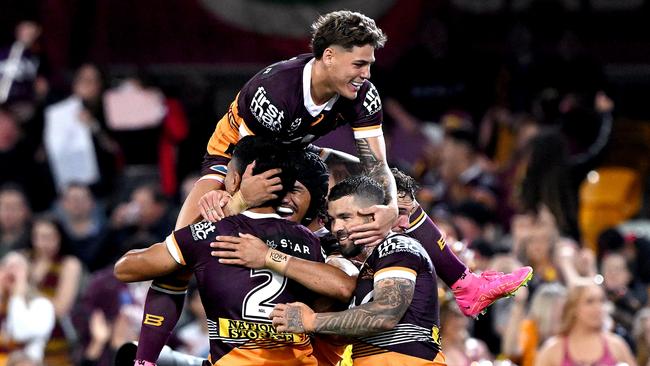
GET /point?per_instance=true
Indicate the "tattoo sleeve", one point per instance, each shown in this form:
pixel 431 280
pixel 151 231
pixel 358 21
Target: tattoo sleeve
pixel 392 296
pixel 375 166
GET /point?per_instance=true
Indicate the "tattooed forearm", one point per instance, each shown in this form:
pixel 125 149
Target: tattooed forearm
pixel 392 297
pixel 375 166
pixel 369 161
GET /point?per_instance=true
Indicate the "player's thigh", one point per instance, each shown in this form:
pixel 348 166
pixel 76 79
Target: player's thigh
pixel 190 212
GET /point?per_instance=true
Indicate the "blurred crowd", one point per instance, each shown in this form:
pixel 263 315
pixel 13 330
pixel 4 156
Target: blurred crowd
pixel 87 176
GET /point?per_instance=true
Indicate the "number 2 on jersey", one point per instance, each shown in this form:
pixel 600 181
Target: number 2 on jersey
pixel 258 303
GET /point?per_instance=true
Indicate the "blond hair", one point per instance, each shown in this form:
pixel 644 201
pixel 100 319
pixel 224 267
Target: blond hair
pixel 570 308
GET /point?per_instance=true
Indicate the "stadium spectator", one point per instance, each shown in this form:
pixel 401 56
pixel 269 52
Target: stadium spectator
pixel 57 275
pixel 28 317
pixel 583 338
pixel 83 221
pixel 15 216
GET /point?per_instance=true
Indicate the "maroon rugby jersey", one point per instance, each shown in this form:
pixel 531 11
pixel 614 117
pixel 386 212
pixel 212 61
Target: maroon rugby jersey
pixel 238 300
pixel 277 102
pixel 417 333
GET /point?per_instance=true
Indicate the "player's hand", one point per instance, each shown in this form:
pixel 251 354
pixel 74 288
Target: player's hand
pixel 259 188
pixel 244 250
pixel 372 233
pixel 212 203
pixel 294 317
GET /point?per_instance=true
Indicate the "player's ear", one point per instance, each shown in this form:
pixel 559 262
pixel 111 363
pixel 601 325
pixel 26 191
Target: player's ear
pixel 328 55
pixel 236 181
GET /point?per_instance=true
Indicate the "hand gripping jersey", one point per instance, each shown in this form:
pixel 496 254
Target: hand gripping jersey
pixel 238 300
pixel 415 340
pixel 277 102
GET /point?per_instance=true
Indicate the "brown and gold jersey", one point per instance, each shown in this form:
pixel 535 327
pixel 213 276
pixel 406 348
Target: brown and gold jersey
pixel 417 333
pixel 238 300
pixel 277 102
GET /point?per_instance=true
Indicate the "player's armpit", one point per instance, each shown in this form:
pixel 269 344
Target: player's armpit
pixel 145 264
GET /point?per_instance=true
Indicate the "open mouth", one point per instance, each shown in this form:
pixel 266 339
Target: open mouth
pixel 356 85
pixel 285 211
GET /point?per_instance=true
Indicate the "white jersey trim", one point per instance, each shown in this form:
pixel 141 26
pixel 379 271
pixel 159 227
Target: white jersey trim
pixel 396 273
pixel 308 101
pixel 372 132
pixel 173 250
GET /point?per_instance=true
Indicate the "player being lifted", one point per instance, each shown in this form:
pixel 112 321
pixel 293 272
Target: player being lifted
pixel 297 101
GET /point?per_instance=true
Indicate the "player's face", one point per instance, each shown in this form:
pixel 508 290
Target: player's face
pixel 344 214
pixel 405 207
pixel 349 68
pixel 295 204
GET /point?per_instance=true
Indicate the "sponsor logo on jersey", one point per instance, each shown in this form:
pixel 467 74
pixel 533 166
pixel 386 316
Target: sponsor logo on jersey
pixel 242 329
pixel 398 244
pixel 372 101
pixel 265 112
pixel 201 230
pixel 294 125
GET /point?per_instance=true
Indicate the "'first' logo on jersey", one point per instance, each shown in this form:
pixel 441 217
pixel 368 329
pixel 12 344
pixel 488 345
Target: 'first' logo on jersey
pixel 372 102
pixel 265 112
pixel 201 230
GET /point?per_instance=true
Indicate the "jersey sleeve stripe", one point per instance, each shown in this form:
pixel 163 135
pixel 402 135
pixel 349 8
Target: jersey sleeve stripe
pixel 217 177
pixel 365 132
pixel 417 222
pixel 395 272
pixel 244 130
pixel 174 250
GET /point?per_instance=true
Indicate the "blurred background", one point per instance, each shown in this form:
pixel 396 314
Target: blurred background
pixel 526 123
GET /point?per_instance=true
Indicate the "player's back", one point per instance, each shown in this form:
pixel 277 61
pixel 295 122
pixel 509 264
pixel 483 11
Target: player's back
pixel 239 300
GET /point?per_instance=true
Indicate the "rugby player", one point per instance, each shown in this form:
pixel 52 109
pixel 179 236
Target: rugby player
pixel 236 298
pixel 394 318
pixel 308 96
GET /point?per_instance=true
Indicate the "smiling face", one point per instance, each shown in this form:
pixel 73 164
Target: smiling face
pixel 344 214
pixel 348 68
pixel 295 204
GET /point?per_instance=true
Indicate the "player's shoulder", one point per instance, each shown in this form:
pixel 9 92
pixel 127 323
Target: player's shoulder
pixel 399 243
pixel 368 98
pixel 290 69
pixel 202 230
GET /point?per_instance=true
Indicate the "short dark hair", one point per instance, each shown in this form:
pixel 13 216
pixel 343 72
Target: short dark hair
pixel 360 186
pixel 267 154
pixel 405 183
pixel 313 174
pixel 346 29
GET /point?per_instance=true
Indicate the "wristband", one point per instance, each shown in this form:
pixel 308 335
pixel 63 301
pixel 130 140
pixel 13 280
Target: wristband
pixel 237 204
pixel 276 261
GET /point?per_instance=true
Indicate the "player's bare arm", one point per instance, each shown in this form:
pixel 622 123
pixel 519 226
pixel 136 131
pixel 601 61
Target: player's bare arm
pixel 392 297
pixel 372 153
pixel 145 264
pixel 250 251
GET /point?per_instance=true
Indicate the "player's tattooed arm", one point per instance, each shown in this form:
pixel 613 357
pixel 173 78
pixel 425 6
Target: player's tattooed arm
pixel 372 154
pixel 392 296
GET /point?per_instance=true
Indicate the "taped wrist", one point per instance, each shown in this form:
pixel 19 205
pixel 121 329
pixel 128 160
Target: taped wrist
pixel 277 261
pixel 237 204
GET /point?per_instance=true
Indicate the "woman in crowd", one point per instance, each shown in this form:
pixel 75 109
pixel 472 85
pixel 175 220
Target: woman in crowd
pixel 26 318
pixel 583 339
pixel 57 276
